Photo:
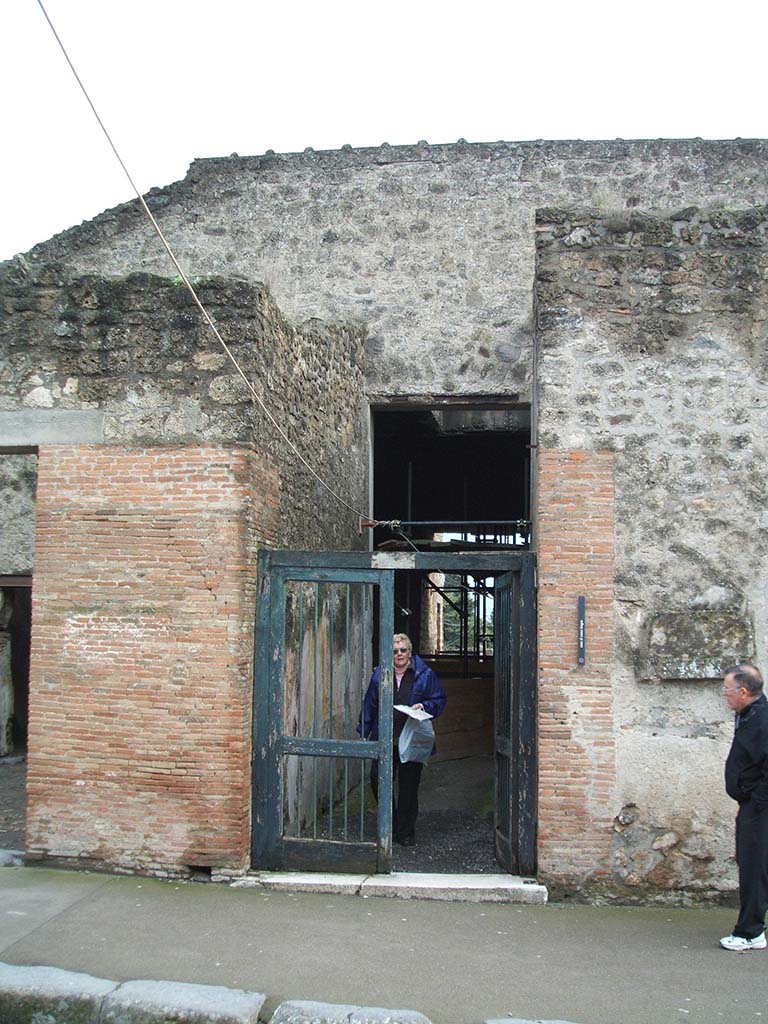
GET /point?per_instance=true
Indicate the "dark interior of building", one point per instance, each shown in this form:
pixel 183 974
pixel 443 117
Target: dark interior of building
pixel 457 479
pixel 451 465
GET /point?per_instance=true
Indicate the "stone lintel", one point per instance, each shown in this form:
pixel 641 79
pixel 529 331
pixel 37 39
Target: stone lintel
pixel 25 428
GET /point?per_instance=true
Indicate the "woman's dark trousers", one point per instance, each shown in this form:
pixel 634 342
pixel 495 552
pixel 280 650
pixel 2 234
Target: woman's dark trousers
pixel 405 800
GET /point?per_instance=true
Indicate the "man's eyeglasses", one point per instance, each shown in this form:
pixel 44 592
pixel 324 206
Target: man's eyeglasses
pixel 400 650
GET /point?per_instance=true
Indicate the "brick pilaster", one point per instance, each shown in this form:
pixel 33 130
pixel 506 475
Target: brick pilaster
pixel 140 699
pixel 577 768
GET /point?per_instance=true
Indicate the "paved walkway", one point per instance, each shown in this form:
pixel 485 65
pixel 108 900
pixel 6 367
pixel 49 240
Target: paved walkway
pixel 457 963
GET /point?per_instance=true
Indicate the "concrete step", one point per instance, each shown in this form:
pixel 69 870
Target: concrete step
pixel 476 888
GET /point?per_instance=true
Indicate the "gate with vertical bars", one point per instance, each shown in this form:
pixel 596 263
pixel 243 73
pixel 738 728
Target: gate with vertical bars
pixel 323 620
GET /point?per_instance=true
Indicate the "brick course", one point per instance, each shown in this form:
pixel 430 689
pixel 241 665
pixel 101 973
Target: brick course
pixel 140 717
pixel 577 763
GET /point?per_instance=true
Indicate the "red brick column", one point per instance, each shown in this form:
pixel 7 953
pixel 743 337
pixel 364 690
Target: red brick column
pixel 140 696
pixel 577 769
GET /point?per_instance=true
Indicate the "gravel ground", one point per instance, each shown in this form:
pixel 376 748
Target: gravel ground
pixel 457 842
pixel 454 831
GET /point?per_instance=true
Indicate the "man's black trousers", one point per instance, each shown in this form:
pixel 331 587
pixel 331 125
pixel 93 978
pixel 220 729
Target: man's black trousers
pixel 752 858
pixel 405 800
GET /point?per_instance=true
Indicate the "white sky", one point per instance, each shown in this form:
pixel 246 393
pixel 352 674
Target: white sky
pixel 179 79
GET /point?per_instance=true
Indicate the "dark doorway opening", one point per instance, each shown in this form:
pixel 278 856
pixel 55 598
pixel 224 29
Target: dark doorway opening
pixel 15 629
pixel 456 480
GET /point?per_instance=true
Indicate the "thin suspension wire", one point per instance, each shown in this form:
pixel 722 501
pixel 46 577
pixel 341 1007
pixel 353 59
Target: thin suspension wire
pixel 189 286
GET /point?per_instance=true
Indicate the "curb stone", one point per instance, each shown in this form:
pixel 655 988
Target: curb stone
pixel 299 1011
pixel 48 995
pixel 169 1002
pixel 520 1020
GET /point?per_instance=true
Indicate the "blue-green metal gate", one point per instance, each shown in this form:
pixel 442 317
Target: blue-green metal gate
pixel 514 670
pixel 312 806
pixel 316 619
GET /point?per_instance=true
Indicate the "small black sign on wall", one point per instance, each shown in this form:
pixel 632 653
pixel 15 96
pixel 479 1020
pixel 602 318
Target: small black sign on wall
pixel 582 633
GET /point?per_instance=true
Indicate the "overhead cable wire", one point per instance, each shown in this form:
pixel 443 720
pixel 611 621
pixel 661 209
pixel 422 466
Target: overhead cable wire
pixel 206 316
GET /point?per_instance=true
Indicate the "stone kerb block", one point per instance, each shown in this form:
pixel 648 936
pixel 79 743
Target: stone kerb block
pixel 175 1002
pixel 300 1011
pixel 48 995
pixel 526 1020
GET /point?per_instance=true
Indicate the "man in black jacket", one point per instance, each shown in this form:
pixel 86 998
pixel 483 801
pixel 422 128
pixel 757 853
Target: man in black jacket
pixel 746 781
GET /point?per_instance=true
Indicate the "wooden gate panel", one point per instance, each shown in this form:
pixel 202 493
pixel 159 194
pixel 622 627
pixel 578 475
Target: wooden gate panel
pixel 311 766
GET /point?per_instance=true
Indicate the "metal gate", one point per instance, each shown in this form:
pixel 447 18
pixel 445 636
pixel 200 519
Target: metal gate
pixel 514 666
pixel 313 661
pixel 317 616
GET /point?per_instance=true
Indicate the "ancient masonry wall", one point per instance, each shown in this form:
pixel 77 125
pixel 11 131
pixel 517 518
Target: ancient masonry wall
pixel 431 247
pixel 147 536
pixel 141 680
pixel 18 475
pixel 130 360
pixel 651 378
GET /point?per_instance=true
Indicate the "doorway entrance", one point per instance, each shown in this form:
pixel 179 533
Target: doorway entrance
pixel 452 569
pixel 314 651
pixel 459 478
pixel 15 631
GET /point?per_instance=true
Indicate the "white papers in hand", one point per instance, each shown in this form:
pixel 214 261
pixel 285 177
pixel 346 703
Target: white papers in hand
pixel 420 716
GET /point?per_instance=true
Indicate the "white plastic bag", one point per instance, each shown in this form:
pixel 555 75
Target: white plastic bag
pixel 416 741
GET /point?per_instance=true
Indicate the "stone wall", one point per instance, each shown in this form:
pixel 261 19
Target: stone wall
pixel 130 361
pixel 17 519
pixel 652 350
pixel 430 247
pixel 639 337
pixel 159 480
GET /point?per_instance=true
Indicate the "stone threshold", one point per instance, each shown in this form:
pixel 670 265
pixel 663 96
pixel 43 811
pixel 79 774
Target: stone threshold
pixel 474 888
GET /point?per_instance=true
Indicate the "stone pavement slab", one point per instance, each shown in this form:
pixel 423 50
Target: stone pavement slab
pixel 478 888
pixel 519 1020
pixel 456 888
pixel 306 881
pixel 31 897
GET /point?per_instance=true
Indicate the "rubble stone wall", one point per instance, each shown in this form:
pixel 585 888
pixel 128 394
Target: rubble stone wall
pixel 652 354
pixel 17 519
pixel 134 357
pixel 430 247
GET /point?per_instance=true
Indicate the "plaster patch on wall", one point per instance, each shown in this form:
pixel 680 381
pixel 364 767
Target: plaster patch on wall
pixel 699 643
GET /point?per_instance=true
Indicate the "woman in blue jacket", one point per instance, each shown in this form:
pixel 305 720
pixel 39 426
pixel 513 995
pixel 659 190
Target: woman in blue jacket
pixel 416 685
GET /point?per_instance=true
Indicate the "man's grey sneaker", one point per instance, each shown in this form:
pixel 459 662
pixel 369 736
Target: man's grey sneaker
pixel 739 945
